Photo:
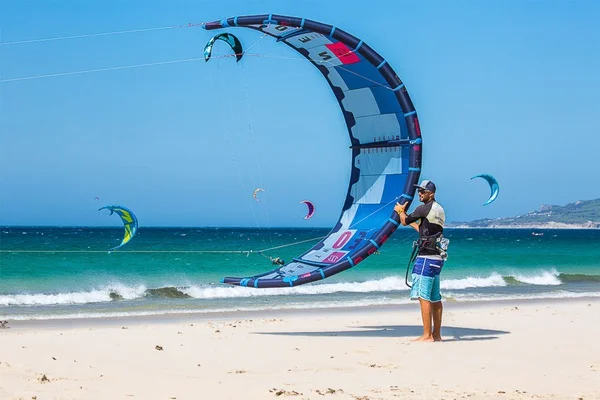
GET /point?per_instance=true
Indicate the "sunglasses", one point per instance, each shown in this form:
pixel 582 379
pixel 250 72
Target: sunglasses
pixel 421 191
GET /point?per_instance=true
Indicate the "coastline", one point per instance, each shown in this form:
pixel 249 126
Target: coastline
pixel 554 225
pixel 507 349
pixel 459 225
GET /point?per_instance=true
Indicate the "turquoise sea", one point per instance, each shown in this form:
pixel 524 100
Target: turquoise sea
pixel 48 273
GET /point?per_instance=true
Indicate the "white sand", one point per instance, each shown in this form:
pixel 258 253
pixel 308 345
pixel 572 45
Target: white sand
pixel 547 350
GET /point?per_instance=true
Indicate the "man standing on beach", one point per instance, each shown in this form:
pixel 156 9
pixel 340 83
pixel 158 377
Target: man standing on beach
pixel 428 219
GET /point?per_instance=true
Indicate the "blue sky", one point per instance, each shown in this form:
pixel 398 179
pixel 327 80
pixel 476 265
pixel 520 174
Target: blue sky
pixel 505 88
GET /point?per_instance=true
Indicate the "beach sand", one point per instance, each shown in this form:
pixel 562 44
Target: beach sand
pixel 494 350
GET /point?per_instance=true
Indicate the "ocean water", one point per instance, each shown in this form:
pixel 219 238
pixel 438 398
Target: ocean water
pixel 48 273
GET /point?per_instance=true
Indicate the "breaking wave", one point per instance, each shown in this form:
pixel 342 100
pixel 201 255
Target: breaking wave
pixel 122 292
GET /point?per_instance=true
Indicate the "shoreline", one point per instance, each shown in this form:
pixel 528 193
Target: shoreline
pixel 79 313
pixel 161 318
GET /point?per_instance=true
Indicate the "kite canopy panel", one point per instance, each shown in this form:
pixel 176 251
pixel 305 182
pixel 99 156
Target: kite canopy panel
pixel 130 222
pixel 385 139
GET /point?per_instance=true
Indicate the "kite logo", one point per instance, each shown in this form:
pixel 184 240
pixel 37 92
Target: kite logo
pixel 343 53
pixel 334 257
pixel 342 240
pixel 325 55
pixel 358 241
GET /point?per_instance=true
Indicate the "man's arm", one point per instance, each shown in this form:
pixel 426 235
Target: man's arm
pixel 399 208
pixel 411 219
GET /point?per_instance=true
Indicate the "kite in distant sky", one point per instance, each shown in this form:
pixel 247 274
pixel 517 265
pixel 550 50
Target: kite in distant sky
pixel 494 187
pixel 311 208
pixel 228 38
pixel 256 191
pixel 129 219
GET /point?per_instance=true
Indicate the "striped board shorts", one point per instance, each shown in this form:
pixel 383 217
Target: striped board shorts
pixel 426 279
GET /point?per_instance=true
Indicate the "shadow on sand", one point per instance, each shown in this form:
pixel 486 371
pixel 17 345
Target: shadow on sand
pixel 449 333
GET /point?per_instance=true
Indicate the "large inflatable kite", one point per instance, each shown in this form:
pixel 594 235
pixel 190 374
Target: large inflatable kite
pixel 385 139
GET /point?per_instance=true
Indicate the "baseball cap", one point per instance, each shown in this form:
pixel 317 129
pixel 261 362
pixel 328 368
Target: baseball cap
pixel 426 185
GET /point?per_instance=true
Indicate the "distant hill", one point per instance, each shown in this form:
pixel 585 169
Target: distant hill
pixel 581 214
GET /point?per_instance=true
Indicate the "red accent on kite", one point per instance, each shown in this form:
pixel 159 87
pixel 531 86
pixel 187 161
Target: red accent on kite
pixel 334 257
pixel 417 126
pixel 343 53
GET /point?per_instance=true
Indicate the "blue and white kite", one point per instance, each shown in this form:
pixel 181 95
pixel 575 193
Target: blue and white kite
pixel 385 139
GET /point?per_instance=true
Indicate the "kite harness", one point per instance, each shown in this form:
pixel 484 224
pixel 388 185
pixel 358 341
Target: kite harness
pixel 437 243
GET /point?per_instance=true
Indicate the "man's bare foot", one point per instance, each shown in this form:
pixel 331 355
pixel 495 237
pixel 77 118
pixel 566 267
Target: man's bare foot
pixel 437 339
pixel 423 339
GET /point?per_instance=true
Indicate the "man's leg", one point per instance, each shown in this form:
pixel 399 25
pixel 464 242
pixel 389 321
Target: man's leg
pixel 426 316
pixel 437 310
